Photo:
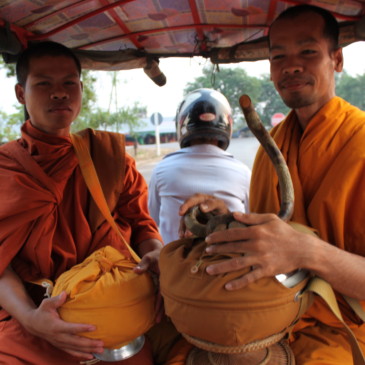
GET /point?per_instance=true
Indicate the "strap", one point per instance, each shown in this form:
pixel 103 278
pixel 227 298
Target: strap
pixel 356 307
pixel 325 291
pixel 92 181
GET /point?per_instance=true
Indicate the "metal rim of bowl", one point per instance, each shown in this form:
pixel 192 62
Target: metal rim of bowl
pixel 123 353
pixel 292 279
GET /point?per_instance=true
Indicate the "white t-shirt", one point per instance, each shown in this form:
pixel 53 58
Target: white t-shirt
pixel 203 168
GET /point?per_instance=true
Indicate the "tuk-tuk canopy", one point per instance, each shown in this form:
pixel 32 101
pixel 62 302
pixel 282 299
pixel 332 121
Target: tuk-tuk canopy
pixel 126 34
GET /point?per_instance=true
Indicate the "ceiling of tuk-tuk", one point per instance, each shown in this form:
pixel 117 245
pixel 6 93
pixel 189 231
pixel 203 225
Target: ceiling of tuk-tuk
pixel 126 34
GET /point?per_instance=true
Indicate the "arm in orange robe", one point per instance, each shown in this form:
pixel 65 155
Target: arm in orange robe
pixel 46 210
pixel 327 165
pixel 46 213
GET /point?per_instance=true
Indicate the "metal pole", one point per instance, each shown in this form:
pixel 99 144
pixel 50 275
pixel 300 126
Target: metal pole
pixel 157 133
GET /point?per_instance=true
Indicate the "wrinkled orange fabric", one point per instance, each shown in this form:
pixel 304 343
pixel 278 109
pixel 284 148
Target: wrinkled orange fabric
pixel 19 347
pixel 199 305
pixel 46 209
pixel 327 165
pixel 179 353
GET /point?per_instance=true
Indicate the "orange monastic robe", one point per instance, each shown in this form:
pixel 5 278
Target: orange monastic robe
pixel 327 165
pixel 49 223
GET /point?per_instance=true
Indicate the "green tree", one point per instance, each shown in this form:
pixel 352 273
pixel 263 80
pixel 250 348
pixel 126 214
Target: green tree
pixel 106 120
pixel 10 123
pixel 98 118
pixel 9 129
pixel 352 89
pixel 129 115
pixel 270 101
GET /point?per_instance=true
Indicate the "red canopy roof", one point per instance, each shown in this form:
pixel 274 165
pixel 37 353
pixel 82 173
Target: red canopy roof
pixel 127 34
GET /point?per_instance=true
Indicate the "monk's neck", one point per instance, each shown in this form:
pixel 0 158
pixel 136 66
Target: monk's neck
pixel 304 118
pixel 305 114
pixel 51 130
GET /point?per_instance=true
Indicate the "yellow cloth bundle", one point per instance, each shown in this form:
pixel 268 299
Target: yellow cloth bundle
pixel 104 291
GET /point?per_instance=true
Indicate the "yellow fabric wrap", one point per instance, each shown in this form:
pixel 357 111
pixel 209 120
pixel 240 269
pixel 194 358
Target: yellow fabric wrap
pixel 200 306
pixel 104 291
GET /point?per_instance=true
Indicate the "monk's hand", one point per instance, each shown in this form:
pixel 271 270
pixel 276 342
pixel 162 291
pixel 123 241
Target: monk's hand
pixel 149 262
pixel 207 204
pixel 267 246
pixel 46 323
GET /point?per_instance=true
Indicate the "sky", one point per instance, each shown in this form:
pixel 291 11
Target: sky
pixel 136 86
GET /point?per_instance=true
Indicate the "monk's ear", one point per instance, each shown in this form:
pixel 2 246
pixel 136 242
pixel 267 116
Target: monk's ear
pixel 338 60
pixel 19 92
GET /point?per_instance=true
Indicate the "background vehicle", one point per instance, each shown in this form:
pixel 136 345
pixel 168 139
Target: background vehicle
pixel 245 132
pixel 130 140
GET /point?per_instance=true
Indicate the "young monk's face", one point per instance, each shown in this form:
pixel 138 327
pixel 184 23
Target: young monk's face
pixel 52 93
pixel 302 63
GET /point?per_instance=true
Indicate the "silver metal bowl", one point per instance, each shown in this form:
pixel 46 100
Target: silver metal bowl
pixel 123 353
pixel 293 278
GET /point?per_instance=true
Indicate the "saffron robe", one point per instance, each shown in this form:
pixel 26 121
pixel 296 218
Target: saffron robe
pixel 327 165
pixel 49 223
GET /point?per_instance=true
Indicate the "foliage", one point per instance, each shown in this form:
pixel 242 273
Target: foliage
pixel 270 101
pixel 112 121
pixel 352 89
pixel 9 126
pixel 10 69
pixel 98 118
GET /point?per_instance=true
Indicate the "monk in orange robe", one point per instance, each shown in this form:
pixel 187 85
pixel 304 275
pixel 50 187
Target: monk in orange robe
pixel 48 221
pixel 322 141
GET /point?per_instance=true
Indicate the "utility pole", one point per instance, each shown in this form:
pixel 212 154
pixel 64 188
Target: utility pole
pixel 114 95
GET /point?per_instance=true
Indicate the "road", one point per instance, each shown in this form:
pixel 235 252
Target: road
pixel 244 149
